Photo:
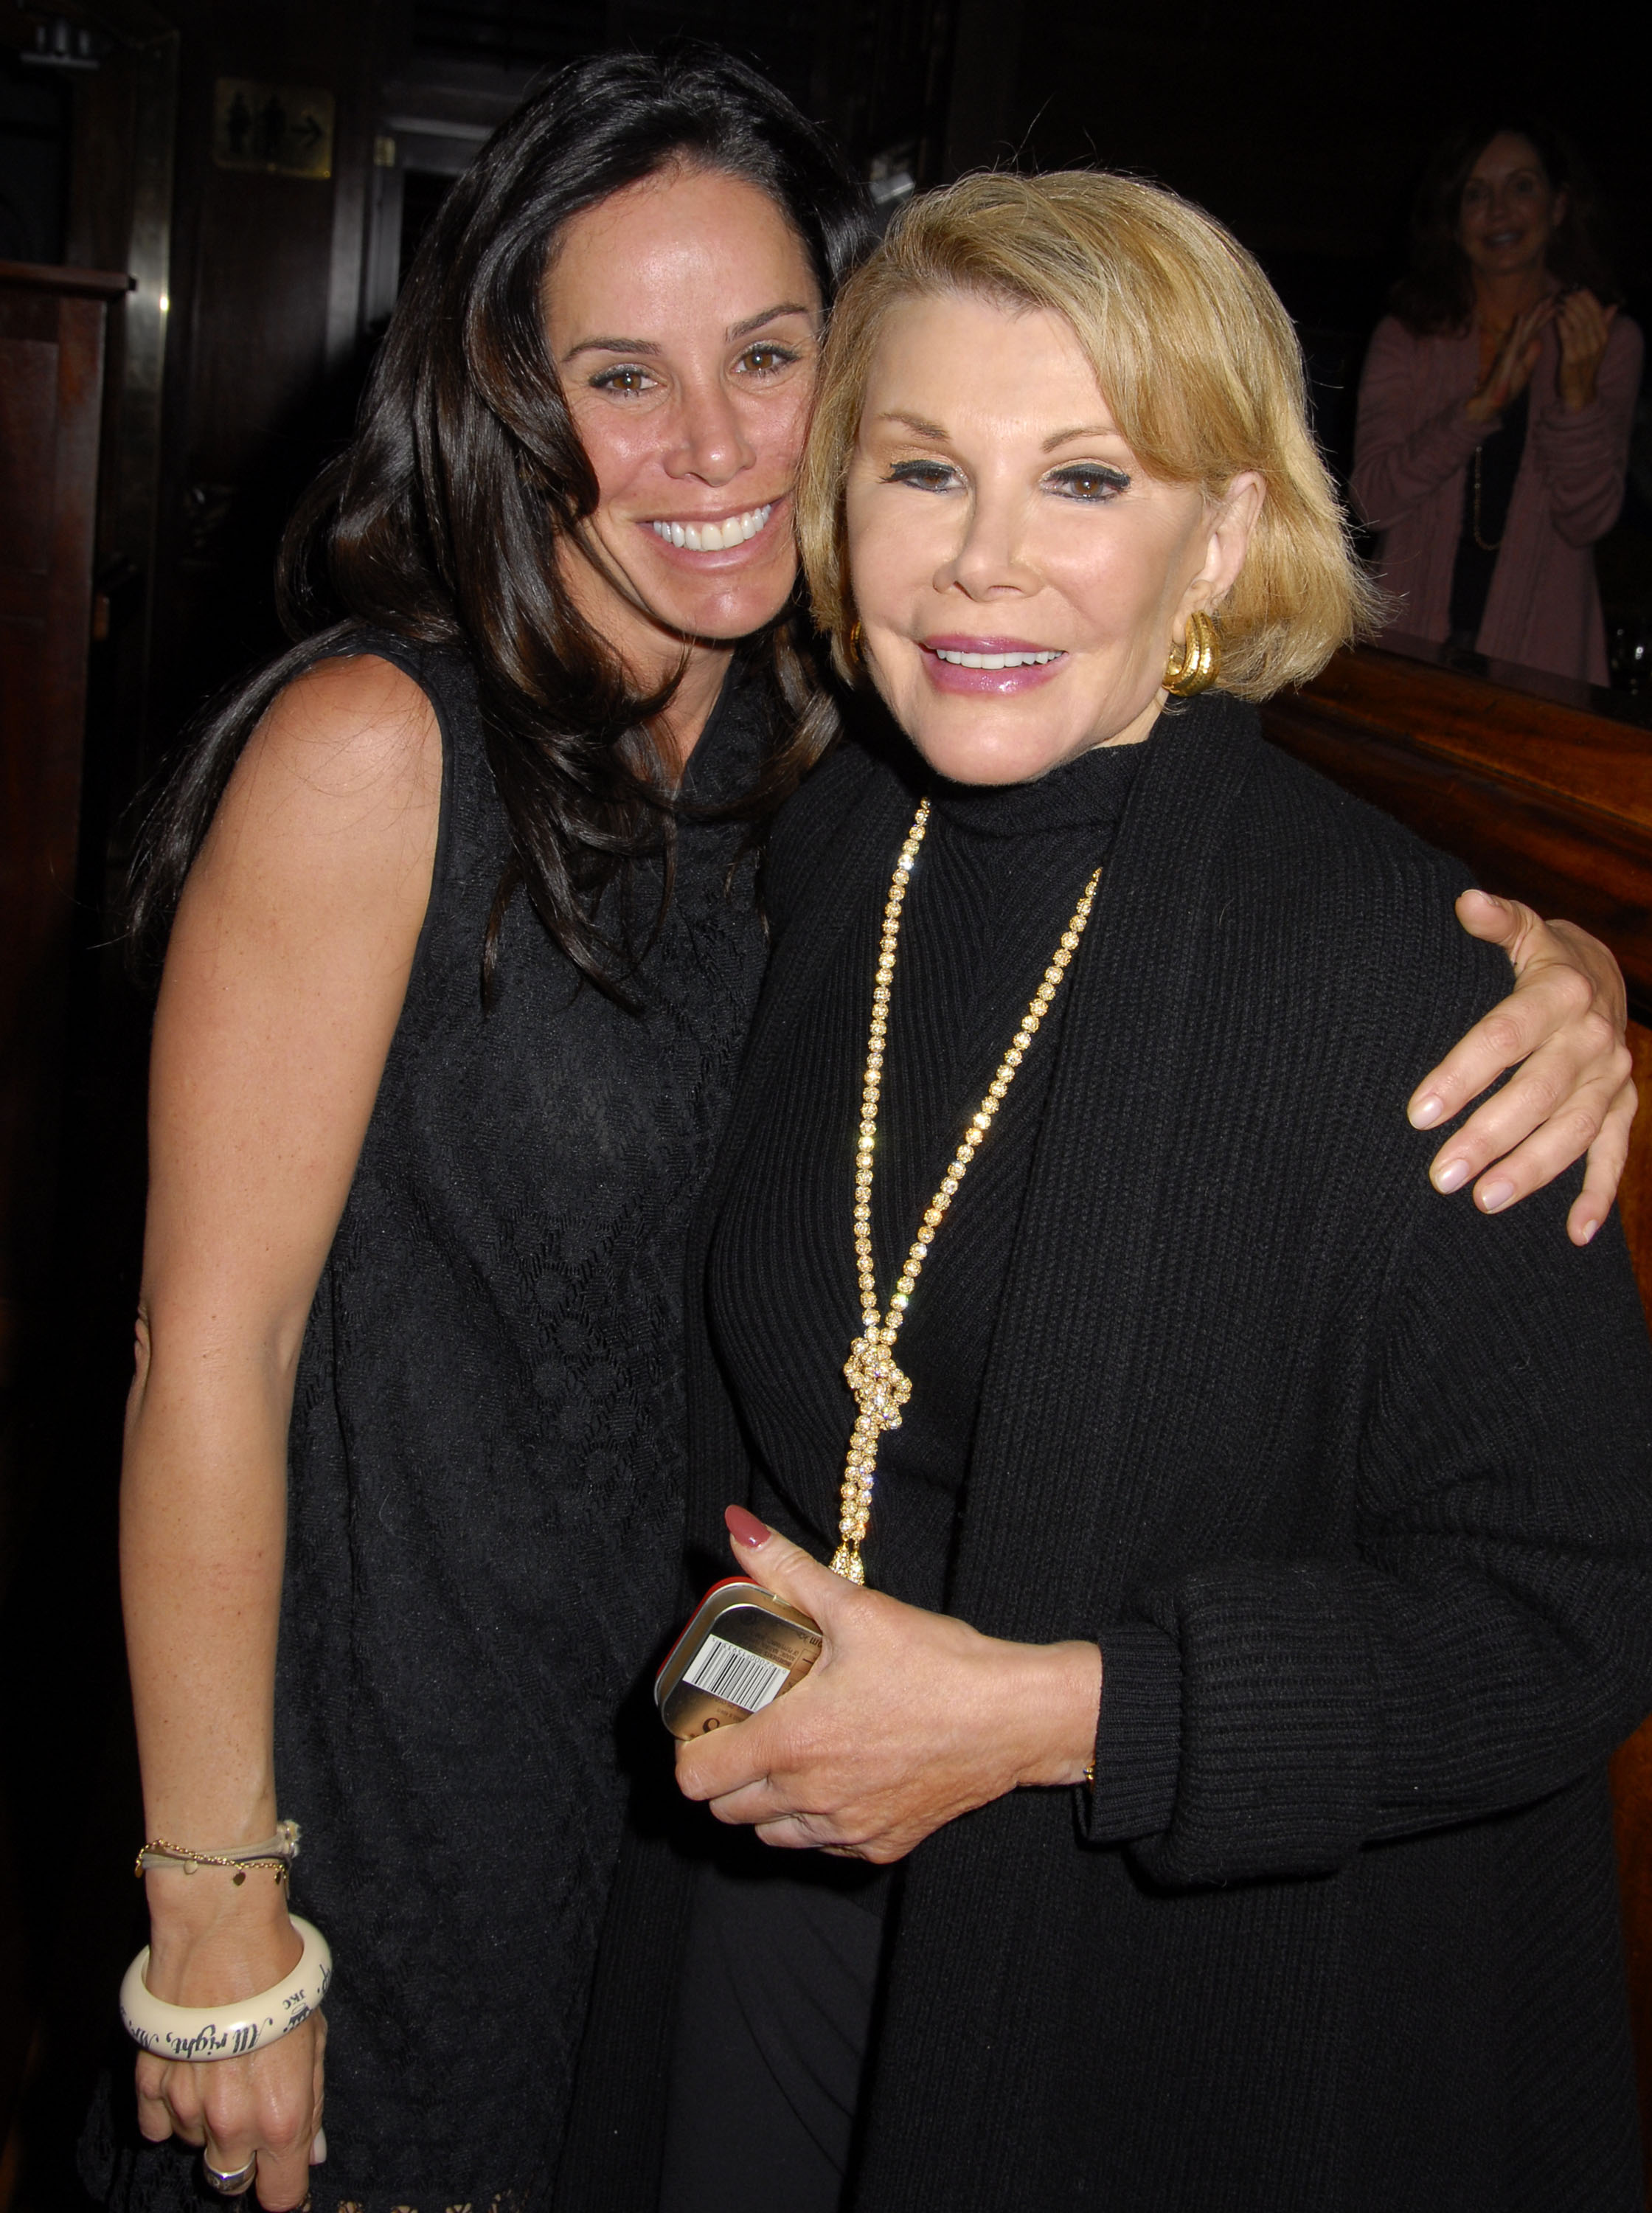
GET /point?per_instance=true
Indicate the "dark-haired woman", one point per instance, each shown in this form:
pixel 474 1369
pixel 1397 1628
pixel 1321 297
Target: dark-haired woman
pixel 1495 411
pixel 435 1080
pixel 450 1012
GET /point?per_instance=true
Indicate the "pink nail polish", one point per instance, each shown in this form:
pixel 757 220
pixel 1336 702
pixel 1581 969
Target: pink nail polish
pixel 1427 1111
pixel 744 1528
pixel 1452 1176
pixel 1496 1195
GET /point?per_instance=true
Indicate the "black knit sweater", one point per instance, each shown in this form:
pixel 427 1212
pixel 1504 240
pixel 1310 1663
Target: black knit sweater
pixel 1378 1468
pixel 995 881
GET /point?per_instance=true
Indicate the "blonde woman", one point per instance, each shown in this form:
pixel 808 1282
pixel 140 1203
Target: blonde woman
pixel 1202 1802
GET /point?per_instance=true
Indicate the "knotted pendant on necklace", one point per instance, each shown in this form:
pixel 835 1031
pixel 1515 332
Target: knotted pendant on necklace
pixel 882 1388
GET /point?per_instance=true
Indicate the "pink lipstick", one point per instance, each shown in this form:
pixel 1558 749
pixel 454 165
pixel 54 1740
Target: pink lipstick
pixel 990 667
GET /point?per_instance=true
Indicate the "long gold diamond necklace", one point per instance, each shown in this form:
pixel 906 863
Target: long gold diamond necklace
pixel 880 1389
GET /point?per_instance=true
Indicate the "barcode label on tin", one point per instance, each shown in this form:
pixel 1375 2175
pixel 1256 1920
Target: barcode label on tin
pixel 727 1671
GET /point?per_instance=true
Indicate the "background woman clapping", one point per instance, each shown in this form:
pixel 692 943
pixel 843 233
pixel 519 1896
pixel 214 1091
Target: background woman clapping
pixel 1494 409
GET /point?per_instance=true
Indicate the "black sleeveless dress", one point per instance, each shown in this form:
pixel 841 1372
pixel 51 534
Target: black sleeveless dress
pixel 486 1494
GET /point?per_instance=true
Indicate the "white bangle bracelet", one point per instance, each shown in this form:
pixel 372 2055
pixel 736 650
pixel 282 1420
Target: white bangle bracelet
pixel 226 2032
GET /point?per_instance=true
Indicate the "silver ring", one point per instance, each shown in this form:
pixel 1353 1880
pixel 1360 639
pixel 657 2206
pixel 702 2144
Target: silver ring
pixel 230 2186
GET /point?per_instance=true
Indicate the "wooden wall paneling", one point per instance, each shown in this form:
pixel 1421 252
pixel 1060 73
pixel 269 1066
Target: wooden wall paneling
pixel 51 353
pixel 120 217
pixel 1546 789
pixel 263 356
pixel 52 358
pixel 1543 796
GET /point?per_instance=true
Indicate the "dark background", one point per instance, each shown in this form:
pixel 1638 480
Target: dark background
pixel 234 370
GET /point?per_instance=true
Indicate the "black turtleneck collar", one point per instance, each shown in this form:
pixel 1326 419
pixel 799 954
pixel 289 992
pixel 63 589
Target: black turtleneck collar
pixel 1090 791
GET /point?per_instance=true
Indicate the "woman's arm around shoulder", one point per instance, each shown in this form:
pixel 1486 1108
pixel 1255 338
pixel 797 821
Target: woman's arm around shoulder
pixel 284 980
pixel 1563 1030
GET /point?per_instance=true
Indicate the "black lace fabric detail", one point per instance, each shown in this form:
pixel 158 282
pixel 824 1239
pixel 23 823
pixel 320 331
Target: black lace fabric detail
pixel 485 1502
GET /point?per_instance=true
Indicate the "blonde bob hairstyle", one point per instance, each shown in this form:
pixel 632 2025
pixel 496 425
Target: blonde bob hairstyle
pixel 1197 357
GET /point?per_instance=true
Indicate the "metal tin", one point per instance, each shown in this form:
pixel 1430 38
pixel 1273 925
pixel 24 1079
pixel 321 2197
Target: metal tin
pixel 743 1649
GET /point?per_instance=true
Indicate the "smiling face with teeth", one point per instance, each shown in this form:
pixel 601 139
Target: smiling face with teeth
pixel 1018 576
pixel 684 320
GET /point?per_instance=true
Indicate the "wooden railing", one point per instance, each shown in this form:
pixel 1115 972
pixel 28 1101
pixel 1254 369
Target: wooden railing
pixel 1545 788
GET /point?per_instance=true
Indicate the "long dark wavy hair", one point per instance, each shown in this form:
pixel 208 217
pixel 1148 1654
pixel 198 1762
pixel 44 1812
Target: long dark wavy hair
pixel 1436 296
pixel 440 522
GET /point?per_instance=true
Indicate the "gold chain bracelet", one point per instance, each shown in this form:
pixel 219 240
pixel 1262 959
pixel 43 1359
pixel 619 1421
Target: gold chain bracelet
pixel 278 1852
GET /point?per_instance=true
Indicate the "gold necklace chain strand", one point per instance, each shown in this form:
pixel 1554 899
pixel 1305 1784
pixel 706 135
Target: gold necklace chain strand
pixel 880 1389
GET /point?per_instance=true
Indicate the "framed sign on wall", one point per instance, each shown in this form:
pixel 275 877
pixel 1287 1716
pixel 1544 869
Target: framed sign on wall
pixel 285 130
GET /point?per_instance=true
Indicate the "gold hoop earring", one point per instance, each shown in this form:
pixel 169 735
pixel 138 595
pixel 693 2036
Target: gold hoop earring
pixel 852 651
pixel 1194 665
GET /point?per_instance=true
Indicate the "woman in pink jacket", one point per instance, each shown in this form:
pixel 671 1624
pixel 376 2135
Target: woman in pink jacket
pixel 1495 409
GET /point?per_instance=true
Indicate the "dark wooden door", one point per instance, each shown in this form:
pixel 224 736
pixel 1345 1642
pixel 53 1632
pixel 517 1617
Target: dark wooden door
pixel 52 356
pixel 51 353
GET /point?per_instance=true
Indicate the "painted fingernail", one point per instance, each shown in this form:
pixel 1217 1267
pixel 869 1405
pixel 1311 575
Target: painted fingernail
pixel 1452 1177
pixel 1427 1111
pixel 744 1528
pixel 1589 1229
pixel 1494 1196
pixel 319 2148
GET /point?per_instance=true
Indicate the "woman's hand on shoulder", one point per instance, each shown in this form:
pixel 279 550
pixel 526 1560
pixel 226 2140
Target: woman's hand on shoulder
pixel 907 1719
pixel 267 2107
pixel 1563 1028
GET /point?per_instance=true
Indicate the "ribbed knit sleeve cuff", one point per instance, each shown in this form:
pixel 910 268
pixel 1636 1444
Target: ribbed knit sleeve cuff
pixel 1594 432
pixel 1137 1737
